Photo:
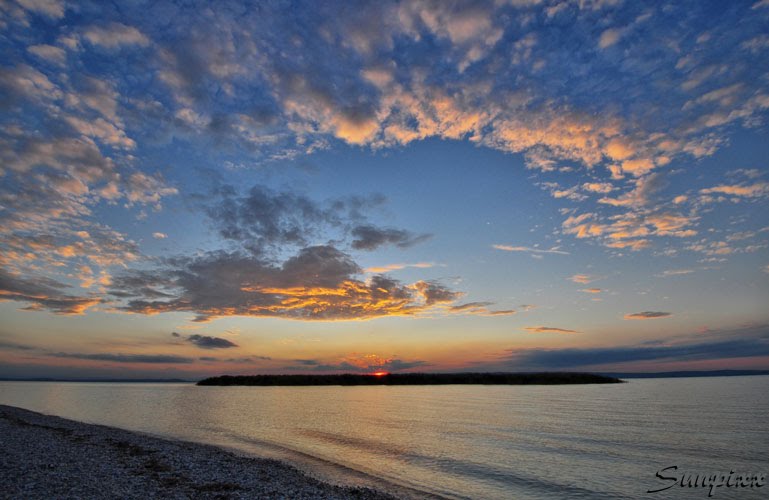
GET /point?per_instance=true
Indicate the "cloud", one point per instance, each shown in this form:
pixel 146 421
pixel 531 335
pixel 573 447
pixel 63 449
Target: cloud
pixel 342 83
pixel 398 267
pixel 263 220
pixel 78 139
pixel 318 283
pixel 50 8
pixel 127 358
pixel 159 236
pixel 675 272
pixel 15 346
pixel 43 294
pixel 645 189
pixel 583 278
pixel 240 360
pixel 370 238
pixel 591 290
pixel 480 309
pixel 509 248
pixel 609 37
pixel 358 363
pixel 559 359
pixel 548 329
pixel 206 342
pixel 759 189
pixel 598 187
pixel 115 35
pixel 55 55
pixel 648 315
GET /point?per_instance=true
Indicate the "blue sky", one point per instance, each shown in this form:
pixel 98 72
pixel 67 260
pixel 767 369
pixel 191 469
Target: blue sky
pixel 190 189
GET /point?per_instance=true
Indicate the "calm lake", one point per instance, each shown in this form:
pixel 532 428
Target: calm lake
pixel 485 442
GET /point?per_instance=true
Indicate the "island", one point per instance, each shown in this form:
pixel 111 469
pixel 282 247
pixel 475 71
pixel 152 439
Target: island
pixel 382 378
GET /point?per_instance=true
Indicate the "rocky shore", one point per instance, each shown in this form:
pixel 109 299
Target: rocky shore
pixel 50 457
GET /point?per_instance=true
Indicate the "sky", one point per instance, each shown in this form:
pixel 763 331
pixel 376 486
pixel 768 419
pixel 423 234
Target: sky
pixel 193 188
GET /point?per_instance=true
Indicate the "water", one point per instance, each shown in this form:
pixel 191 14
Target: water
pixel 485 442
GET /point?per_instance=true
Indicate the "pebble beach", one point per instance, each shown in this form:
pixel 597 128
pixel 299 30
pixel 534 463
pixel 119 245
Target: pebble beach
pixel 46 457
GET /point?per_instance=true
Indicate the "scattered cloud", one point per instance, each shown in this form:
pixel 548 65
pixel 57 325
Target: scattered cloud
pixel 206 342
pixel 759 189
pixel 50 53
pixel 480 309
pixel 583 278
pixel 675 272
pixel 370 238
pixel 127 358
pixel 509 248
pixel 609 37
pixel 159 236
pixel 358 363
pixel 114 35
pixel 548 329
pixel 591 290
pixel 49 8
pixel 43 294
pixel 398 267
pixel 648 315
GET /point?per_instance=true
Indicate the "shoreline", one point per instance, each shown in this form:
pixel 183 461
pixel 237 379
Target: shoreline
pixel 45 456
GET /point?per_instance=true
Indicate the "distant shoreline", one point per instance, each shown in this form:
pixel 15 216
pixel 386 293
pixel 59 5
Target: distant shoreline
pixel 51 457
pixel 349 379
pixel 619 375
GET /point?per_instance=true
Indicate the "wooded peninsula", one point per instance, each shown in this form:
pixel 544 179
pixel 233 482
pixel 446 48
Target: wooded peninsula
pixel 545 378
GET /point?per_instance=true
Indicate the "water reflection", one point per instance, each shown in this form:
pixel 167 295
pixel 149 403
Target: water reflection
pixel 458 441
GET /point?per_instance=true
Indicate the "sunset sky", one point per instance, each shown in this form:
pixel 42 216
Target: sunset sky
pixel 305 187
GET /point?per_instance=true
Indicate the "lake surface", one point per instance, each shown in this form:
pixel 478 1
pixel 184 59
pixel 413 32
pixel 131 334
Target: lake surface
pixel 485 442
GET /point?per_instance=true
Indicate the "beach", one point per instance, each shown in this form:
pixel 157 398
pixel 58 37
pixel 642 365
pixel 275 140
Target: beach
pixel 50 457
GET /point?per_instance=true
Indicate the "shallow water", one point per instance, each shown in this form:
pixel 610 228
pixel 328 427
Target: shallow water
pixel 538 442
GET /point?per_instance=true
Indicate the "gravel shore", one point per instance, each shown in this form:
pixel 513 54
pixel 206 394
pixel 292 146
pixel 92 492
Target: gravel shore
pixel 43 456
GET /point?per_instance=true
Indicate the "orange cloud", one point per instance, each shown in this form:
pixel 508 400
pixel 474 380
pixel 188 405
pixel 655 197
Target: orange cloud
pixel 583 278
pixel 397 267
pixel 548 329
pixel 617 149
pixel 631 244
pixel 751 191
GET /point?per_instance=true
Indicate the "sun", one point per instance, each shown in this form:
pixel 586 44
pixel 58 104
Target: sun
pixel 380 374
